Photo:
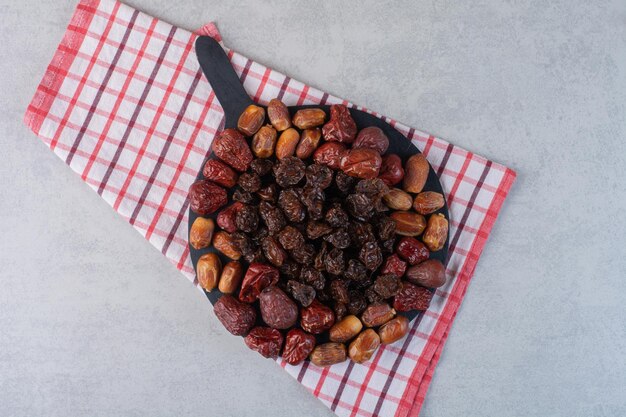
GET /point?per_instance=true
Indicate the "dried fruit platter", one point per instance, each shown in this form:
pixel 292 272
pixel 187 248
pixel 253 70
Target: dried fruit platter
pixel 318 232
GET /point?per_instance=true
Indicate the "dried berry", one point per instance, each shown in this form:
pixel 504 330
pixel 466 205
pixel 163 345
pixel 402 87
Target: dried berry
pixel 357 303
pixel 428 202
pixel 290 270
pixel 302 293
pixel 385 227
pixel 273 252
pixel 341 127
pixel 206 197
pixel 231 277
pixel 412 250
pixel 387 285
pixel 269 193
pixel 247 218
pixel 412 297
pixel 336 216
pixel 308 118
pixel 340 310
pixel 394 265
pixel 430 273
pixel 356 271
pixel 219 173
pixel 335 262
pixel 265 340
pixel 362 233
pixel 278 115
pixel 391 171
pixel 315 230
pixel 371 256
pixel 298 345
pixel 244 197
pixel 250 182
pixel 373 138
pixel 416 174
pixel 309 141
pixel 243 244
pixel 231 147
pixel 290 238
pixel 361 163
pixel 272 217
pixel 360 206
pixel 292 206
pixel 377 314
pixel 436 232
pixel 257 278
pixel 304 254
pixel 339 291
pixel 251 120
pixel 261 167
pixel 344 182
pixel 226 217
pixel 201 233
pixel 319 176
pixel 339 238
pixel 363 347
pixel 330 154
pixel 313 277
pixel 208 270
pixel 237 317
pixel 316 318
pixel 289 171
pixel 264 141
pixel 277 309
pixel 328 354
pixel 372 296
pixel 394 330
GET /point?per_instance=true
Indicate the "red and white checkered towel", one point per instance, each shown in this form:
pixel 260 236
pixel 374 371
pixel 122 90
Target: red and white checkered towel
pixel 125 105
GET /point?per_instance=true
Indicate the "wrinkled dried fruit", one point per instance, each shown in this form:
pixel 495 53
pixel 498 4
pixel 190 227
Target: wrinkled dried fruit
pixel 298 345
pixel 272 217
pixel 219 173
pixel 249 181
pixel 373 138
pixel 391 171
pixel 272 250
pixel 278 115
pixel 257 278
pixel 319 176
pixel 361 163
pixel 265 340
pixel 394 265
pixel 292 206
pixel 345 329
pixel 206 197
pixel 308 118
pixel 360 206
pixel 231 147
pixel 397 199
pixel 247 218
pixel 277 309
pixel 223 242
pixel 377 314
pixel 261 166
pixel 269 193
pixel 339 290
pixel 309 141
pixel 412 250
pixel 371 255
pixel 357 303
pixel 264 141
pixel 237 317
pixel 316 318
pixel 408 223
pixel 304 254
pixel 226 217
pixel 394 330
pixel 428 202
pixel 416 173
pixel 330 154
pixel 251 120
pixel 302 293
pixel 201 233
pixel 208 270
pixel 335 262
pixel 412 297
pixel 315 230
pixel 387 285
pixel 341 127
pixel 363 347
pixel 289 171
pixel 290 238
pixel 430 273
pixel 231 277
pixel 339 238
pixel 287 142
pixel 436 232
pixel 328 354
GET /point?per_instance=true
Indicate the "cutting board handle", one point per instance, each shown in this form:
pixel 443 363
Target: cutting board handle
pixel 223 79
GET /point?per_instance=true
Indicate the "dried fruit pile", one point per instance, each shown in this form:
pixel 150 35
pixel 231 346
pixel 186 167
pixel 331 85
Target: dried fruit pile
pixel 327 236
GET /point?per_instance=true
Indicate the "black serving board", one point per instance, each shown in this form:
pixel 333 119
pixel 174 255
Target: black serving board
pixel 233 98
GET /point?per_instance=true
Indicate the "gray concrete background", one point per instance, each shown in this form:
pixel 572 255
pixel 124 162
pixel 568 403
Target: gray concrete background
pixel 95 322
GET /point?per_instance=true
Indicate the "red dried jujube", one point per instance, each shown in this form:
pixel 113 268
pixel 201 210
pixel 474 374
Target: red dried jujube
pixel 412 297
pixel 298 346
pixel 265 340
pixel 258 277
pixel 231 147
pixel 206 197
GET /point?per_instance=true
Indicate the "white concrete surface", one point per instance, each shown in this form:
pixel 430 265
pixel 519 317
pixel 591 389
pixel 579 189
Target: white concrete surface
pixel 95 322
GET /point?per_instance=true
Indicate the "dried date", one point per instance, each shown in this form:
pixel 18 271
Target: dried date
pixel 277 309
pixel 219 173
pixel 231 147
pixel 302 293
pixel 316 318
pixel 298 345
pixel 412 297
pixel 373 138
pixel 341 127
pixel 265 340
pixel 391 171
pixel 206 197
pixel 361 163
pixel 237 317
pixel 257 278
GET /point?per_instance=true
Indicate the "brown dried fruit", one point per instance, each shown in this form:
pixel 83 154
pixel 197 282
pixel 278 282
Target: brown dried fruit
pixel 265 340
pixel 251 120
pixel 223 242
pixel 206 197
pixel 258 277
pixel 428 202
pixel 208 270
pixel 201 233
pixel 277 309
pixel 287 142
pixel 309 141
pixel 219 173
pixel 298 345
pixel 397 199
pixel 408 223
pixel 436 232
pixel 328 354
pixel 416 173
pixel 308 118
pixel 226 218
pixel 372 137
pixel 231 277
pixel 231 147
pixel 377 314
pixel 361 163
pixel 394 265
pixel 316 318
pixel 264 141
pixel 237 317
pixel 278 115
pixel 346 329
pixel 363 347
pixel 412 250
pixel 330 154
pixel 341 127
pixel 412 297
pixel 391 171
pixel 430 273
pixel 272 250
pixel 394 330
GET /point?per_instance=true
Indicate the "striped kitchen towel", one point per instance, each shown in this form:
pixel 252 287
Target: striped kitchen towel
pixel 125 105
